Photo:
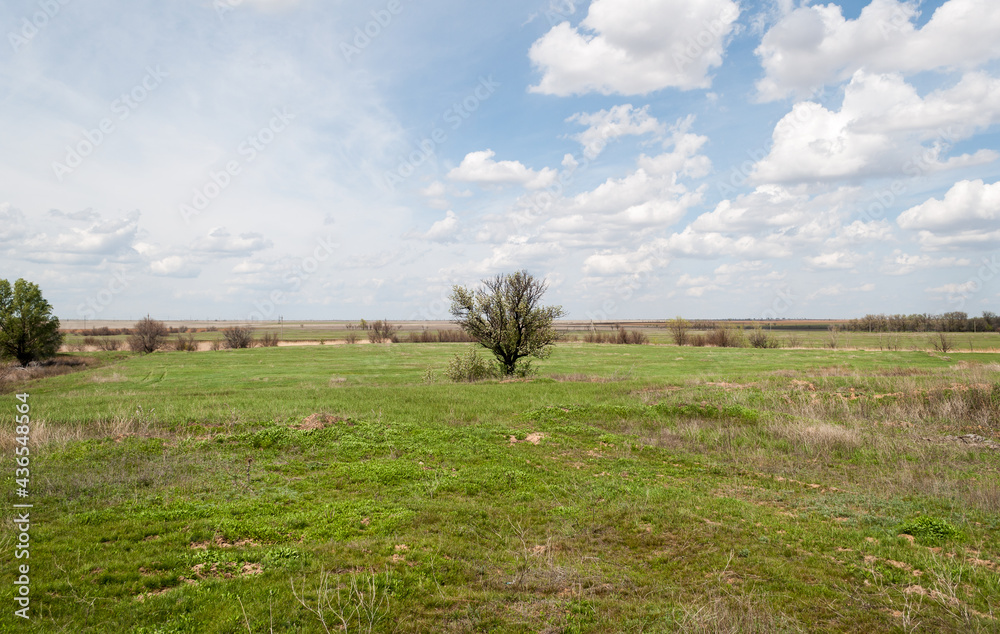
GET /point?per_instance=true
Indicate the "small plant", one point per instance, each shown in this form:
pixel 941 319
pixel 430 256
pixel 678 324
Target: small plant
pixel 269 340
pixel 352 337
pixel 929 531
pixel 942 342
pixel 833 338
pixel 725 336
pixel 382 331
pixel 185 344
pixel 360 607
pixel 760 338
pixel 469 367
pixel 238 337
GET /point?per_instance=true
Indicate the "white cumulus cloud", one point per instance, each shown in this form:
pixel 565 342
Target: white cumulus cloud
pixel 813 46
pixel 633 47
pixel 479 167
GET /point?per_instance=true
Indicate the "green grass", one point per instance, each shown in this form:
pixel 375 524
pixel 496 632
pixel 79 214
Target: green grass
pixel 625 488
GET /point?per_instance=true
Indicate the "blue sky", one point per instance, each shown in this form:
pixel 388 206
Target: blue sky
pixel 244 159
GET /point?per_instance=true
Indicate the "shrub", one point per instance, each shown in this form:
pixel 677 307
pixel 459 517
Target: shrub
pixel 634 337
pixel 109 344
pixel 698 341
pixel 185 344
pixel 238 337
pixel 833 340
pixel 441 336
pixel 760 338
pixel 470 367
pixel 147 336
pixel 382 331
pixel 216 344
pixel 942 342
pixel 679 330
pixel 269 340
pixel 352 337
pixel 725 336
pixel 929 531
pixel 596 336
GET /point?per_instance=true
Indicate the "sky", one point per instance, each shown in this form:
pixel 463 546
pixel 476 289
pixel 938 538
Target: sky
pixel 308 159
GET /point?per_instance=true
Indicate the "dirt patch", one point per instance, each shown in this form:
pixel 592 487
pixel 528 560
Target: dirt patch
pixel 729 386
pixel 220 542
pixel 534 438
pixel 226 570
pixel 319 421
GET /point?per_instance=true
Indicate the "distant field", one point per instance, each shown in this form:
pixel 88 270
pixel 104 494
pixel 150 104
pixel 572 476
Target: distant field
pixel 626 488
pixel 789 333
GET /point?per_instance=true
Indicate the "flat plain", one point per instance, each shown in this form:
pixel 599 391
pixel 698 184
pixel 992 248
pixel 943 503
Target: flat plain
pixel 627 488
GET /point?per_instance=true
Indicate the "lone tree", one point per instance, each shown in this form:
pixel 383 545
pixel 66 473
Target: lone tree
pixel 148 335
pixel 504 316
pixel 28 330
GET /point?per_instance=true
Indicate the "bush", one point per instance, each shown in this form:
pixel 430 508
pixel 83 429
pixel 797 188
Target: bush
pixel 269 340
pixel 470 367
pixel 382 331
pixel 620 336
pixel 930 531
pixel 942 342
pixel 679 330
pixel 698 341
pixel 352 337
pixel 596 336
pixel 147 336
pixel 185 344
pixel 238 337
pixel 725 336
pixel 441 336
pixel 633 338
pixel 760 338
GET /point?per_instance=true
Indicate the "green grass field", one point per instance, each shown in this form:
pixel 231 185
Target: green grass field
pixel 624 489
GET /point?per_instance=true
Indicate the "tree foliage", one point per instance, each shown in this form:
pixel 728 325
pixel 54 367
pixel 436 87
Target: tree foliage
pixel 148 335
pixel 238 337
pixel 506 318
pixel 679 330
pixel 28 329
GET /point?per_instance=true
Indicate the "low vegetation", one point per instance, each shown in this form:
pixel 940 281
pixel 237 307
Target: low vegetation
pixel 622 488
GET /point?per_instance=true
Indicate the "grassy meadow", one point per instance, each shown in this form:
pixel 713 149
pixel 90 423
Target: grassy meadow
pixel 623 489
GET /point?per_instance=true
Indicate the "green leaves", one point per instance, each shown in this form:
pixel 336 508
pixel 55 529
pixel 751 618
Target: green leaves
pixel 28 330
pixel 505 317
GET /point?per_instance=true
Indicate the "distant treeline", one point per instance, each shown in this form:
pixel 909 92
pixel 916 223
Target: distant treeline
pixel 440 336
pixel 948 322
pixel 104 331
